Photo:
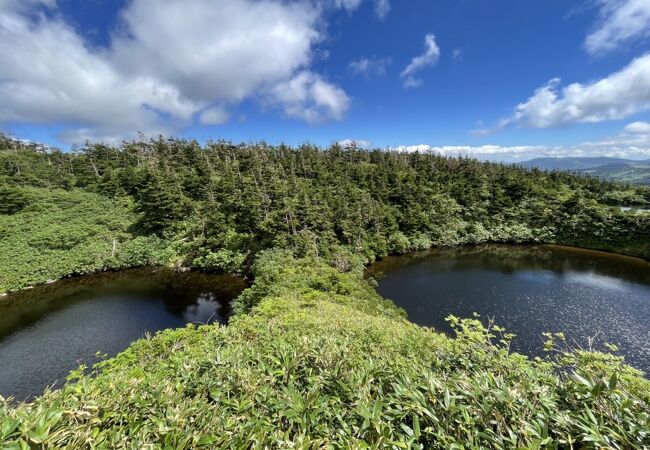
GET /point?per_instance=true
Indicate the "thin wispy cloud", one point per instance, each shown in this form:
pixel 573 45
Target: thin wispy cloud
pixel 428 58
pixel 382 8
pixel 369 67
pixel 621 22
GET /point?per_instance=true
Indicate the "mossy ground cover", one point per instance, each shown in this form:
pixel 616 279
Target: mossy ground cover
pixel 321 361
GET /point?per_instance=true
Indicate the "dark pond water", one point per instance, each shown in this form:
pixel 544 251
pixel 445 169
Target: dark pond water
pixel 529 290
pixel 50 330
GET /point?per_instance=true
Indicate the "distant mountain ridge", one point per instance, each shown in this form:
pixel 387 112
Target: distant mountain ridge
pixel 614 169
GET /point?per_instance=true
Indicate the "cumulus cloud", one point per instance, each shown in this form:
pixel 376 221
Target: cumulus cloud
pixel 621 21
pixel 48 75
pixel 369 67
pixel 167 62
pixel 307 96
pixel 428 58
pixel 616 96
pixel 638 128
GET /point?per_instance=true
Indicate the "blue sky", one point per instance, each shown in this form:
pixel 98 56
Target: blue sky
pixel 499 79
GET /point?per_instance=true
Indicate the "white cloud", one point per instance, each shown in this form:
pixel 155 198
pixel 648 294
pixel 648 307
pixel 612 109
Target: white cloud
pixel 616 96
pixel 382 8
pixel 422 148
pixel 357 143
pixel 307 96
pixel 526 152
pixel 214 116
pixel 428 58
pixel 167 62
pixel 348 5
pixel 369 67
pixel 621 21
pixel 216 50
pixel 638 128
pixel 48 75
pixel 480 152
pixel 633 142
pixel 634 139
pixel 7 5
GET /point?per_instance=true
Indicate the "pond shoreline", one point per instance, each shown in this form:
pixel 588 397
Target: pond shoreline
pixel 528 290
pixel 75 275
pixel 47 331
pixel 246 274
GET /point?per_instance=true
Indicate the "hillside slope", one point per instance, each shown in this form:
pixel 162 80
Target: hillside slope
pixel 612 169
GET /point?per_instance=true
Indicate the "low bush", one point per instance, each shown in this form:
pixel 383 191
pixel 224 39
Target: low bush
pixel 321 361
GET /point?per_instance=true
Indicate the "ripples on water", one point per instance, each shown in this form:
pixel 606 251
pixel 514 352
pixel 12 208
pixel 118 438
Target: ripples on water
pixel 529 290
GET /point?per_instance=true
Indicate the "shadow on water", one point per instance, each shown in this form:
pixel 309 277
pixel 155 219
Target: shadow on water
pixel 47 331
pixel 528 289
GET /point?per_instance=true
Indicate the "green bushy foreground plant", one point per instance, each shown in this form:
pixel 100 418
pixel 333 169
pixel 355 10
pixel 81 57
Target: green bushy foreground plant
pixel 314 358
pixel 321 361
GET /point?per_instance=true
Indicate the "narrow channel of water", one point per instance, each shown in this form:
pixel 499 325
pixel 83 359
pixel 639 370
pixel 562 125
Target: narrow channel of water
pixel 50 330
pixel 528 290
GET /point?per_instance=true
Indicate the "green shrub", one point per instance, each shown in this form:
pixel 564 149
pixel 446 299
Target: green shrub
pixel 320 362
pixel 398 243
pixel 12 199
pixel 60 233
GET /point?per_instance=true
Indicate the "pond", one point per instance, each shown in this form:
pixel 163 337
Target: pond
pixel 528 290
pixel 47 331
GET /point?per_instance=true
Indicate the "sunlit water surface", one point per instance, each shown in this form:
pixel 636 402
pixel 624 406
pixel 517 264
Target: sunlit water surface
pixel 50 330
pixel 528 290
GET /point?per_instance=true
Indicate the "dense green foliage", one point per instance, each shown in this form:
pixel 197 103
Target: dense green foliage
pixel 59 233
pixel 315 358
pixel 216 207
pixel 323 362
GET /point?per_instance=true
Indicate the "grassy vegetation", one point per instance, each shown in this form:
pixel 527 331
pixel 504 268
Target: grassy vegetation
pixel 315 358
pixel 321 361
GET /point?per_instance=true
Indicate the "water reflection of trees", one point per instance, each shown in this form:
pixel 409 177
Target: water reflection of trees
pixel 513 258
pixel 183 294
